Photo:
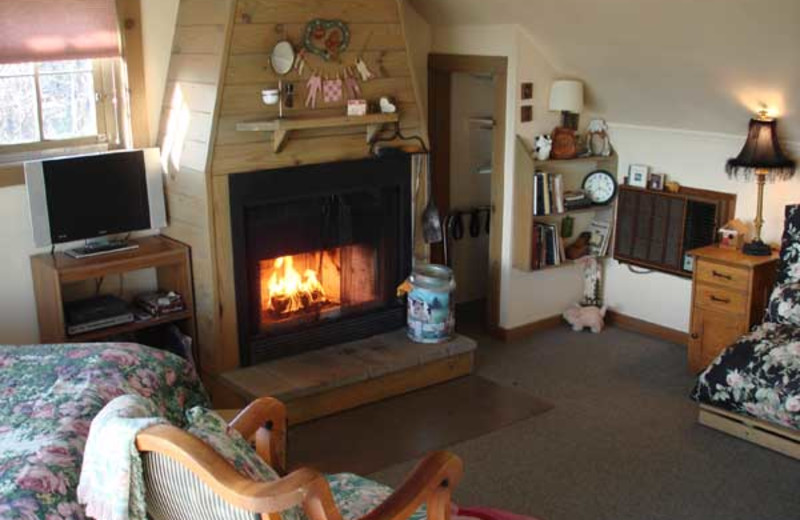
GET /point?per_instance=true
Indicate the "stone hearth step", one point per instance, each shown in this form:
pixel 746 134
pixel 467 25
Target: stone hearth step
pixel 333 379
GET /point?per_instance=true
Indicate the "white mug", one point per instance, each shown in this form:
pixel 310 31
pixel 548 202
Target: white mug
pixel 270 96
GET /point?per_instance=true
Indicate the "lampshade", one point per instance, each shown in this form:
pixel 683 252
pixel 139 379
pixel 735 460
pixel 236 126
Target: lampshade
pixel 566 96
pixel 762 153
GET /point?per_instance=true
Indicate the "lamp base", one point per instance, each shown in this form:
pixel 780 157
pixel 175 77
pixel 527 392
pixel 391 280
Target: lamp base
pixel 757 248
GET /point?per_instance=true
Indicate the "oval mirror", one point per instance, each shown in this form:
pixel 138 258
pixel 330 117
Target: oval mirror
pixel 282 58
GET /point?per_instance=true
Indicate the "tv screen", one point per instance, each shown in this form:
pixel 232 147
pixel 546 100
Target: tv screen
pixel 97 195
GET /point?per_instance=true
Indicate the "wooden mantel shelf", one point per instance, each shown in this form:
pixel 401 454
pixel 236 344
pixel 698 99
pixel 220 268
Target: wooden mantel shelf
pixel 281 128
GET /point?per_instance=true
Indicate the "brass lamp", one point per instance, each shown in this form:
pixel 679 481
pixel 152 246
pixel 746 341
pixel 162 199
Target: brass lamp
pixel 761 156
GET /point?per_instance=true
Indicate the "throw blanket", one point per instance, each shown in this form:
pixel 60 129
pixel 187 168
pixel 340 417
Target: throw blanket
pixel 49 395
pixel 112 485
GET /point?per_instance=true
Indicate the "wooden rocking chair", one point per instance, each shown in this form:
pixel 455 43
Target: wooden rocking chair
pixel 186 479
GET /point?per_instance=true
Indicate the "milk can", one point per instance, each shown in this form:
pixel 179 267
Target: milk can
pixel 431 309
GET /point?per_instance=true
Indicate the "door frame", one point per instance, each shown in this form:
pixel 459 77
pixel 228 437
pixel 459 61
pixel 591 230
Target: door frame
pixel 440 71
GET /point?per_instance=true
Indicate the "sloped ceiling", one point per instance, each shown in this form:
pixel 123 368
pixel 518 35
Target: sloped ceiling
pixel 702 65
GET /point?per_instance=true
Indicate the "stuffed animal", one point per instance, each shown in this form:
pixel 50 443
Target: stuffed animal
pixel 583 317
pixel 599 143
pixel 544 144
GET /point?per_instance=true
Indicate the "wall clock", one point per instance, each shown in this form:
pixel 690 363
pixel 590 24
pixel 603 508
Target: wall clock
pixel 600 186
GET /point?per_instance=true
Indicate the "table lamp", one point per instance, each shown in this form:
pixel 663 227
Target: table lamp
pixel 763 158
pixel 566 96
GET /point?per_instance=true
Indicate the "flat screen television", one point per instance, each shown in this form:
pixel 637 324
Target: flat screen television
pixel 94 196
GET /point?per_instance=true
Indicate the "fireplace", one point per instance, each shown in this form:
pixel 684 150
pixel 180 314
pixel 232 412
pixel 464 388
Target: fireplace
pixel 318 253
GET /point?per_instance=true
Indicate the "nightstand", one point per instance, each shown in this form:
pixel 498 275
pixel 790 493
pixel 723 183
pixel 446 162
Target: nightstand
pixel 729 294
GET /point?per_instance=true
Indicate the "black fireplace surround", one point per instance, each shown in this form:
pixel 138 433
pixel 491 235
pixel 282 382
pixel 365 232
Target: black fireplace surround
pixel 351 222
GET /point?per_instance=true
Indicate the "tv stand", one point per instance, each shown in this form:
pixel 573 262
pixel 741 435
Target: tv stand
pixel 101 247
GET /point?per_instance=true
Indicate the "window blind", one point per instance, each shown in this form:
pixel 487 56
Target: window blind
pixel 48 30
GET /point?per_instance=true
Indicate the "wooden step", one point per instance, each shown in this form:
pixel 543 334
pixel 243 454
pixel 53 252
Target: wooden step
pixel 337 378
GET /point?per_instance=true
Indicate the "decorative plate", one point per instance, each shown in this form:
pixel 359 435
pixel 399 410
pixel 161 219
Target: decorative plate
pixel 326 38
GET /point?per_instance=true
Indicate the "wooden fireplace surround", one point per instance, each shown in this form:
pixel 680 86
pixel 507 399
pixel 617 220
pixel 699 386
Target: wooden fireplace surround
pixel 218 68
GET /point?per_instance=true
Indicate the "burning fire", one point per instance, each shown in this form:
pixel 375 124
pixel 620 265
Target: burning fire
pixel 285 291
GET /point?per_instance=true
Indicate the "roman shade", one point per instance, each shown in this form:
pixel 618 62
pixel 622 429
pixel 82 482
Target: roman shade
pixel 47 30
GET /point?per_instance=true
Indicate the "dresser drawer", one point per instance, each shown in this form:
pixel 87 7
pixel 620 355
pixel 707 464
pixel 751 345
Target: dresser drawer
pixel 725 275
pixel 719 299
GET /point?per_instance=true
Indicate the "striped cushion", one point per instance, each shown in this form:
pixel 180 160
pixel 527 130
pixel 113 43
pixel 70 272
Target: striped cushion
pixel 175 493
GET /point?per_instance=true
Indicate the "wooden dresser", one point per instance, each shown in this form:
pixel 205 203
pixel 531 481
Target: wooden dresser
pixel 729 295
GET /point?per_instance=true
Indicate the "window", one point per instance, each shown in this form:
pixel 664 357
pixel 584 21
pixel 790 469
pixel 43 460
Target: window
pixel 53 104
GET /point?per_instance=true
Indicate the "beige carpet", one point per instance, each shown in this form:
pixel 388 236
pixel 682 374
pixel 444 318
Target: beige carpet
pixel 383 434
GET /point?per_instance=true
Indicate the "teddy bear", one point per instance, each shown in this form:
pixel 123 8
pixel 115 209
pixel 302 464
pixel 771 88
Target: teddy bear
pixel 544 144
pixel 583 317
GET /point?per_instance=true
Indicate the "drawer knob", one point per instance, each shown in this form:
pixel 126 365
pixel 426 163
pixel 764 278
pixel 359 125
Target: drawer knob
pixel 723 276
pixel 719 300
pixel 695 335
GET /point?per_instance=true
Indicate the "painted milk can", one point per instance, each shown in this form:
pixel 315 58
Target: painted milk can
pixel 431 306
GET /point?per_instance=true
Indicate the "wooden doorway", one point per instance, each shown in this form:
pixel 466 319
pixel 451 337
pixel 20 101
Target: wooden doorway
pixel 441 68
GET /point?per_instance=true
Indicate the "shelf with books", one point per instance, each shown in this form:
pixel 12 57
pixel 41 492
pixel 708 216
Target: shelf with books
pixel 588 209
pixel 560 177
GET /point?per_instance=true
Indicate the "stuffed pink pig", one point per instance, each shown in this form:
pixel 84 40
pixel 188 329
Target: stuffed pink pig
pixel 582 317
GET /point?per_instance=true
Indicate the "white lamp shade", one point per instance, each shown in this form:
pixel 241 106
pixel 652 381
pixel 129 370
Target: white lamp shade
pixel 566 96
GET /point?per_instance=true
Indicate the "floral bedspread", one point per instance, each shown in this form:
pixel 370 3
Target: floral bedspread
pixel 48 397
pixel 758 376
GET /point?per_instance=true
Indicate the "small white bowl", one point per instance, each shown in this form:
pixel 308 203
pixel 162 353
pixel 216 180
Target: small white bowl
pixel 270 96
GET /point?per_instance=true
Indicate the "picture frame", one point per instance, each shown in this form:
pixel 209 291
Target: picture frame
pixel 655 181
pixel 526 91
pixel 638 175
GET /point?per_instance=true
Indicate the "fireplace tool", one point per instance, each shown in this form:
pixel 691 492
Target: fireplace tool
pixel 431 221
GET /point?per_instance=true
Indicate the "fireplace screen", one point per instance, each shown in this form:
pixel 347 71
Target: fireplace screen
pixel 319 252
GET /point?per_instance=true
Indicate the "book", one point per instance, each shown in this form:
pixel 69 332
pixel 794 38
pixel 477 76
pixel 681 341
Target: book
pixel 535 252
pixel 547 190
pixel 598 243
pixel 558 193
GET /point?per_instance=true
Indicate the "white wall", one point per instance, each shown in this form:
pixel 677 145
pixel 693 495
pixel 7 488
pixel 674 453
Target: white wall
pixel 697 160
pixel 18 323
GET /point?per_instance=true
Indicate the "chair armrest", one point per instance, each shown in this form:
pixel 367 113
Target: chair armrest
pixel 431 483
pixel 264 421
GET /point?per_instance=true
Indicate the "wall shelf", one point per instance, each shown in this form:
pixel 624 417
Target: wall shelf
pixel 281 128
pixel 573 172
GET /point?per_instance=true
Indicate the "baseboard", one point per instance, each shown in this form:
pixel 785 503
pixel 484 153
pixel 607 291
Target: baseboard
pixel 612 318
pixel 523 331
pixel 647 328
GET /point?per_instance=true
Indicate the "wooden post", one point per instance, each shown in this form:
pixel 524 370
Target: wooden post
pixel 130 16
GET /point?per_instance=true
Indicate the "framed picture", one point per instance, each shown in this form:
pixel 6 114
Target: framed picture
pixel 655 181
pixel 526 114
pixel 637 175
pixel 527 91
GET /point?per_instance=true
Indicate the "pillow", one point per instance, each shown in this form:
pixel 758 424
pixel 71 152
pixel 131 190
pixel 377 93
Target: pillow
pixel 212 429
pixel 789 271
pixel 784 305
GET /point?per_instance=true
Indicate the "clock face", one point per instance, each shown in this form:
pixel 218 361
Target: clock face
pixel 600 186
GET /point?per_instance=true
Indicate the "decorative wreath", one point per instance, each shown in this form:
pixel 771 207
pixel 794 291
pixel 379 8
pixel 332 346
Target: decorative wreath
pixel 326 38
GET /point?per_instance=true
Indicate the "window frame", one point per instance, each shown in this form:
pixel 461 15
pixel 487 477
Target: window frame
pixel 106 73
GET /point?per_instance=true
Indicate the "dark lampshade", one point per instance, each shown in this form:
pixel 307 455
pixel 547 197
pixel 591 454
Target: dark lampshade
pixel 762 153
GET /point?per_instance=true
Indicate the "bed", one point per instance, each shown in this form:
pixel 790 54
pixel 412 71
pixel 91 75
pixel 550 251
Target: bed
pixel 752 390
pixel 50 393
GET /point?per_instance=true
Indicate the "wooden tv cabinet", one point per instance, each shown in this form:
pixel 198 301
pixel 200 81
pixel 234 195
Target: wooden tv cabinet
pixel 169 258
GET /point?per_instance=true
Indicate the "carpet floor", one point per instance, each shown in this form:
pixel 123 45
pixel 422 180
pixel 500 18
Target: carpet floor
pixel 407 427
pixel 622 441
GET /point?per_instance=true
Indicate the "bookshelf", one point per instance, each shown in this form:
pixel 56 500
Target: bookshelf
pixel 573 171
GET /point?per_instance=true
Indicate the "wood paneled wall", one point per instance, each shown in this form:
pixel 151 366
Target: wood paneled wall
pixel 187 124
pixel 220 65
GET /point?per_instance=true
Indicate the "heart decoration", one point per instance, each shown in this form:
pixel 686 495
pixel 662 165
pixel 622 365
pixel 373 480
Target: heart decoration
pixel 326 38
